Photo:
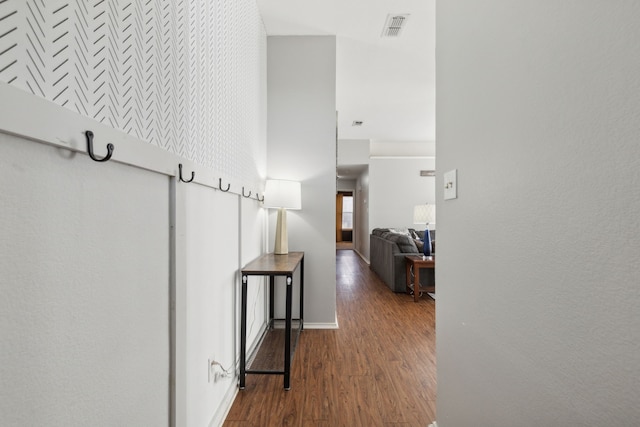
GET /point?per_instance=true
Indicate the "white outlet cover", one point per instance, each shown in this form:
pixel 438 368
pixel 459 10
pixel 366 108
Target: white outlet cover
pixel 451 184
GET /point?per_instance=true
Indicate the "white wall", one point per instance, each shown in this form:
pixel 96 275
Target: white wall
pixel 168 83
pixel 395 187
pixel 538 108
pixel 361 243
pixel 353 151
pixel 346 184
pixel 302 147
pixel 402 148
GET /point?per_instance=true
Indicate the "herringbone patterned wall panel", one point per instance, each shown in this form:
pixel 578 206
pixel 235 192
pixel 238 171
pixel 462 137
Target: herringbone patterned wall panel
pixel 185 75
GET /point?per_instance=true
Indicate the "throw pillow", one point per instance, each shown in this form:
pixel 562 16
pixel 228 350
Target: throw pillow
pixel 402 230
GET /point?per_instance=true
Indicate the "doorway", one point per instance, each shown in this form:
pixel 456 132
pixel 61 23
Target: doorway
pixel 344 220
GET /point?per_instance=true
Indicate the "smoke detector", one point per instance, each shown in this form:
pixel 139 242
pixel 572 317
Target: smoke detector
pixel 394 24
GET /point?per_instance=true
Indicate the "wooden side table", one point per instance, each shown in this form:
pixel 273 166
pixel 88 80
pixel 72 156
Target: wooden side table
pixel 417 262
pixel 273 265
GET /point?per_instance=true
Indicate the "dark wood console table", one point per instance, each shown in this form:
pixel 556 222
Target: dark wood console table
pixel 273 265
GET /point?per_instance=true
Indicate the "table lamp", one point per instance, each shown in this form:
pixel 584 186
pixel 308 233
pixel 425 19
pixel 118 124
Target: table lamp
pixel 425 214
pixel 283 195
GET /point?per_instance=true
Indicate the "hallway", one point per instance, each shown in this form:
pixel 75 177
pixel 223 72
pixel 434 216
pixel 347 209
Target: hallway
pixel 378 369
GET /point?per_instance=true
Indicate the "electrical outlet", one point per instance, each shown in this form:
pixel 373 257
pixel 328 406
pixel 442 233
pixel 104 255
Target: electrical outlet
pixel 211 368
pixel 216 371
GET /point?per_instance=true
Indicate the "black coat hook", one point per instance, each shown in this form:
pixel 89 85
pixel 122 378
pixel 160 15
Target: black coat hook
pixel 110 148
pixel 258 198
pixel 193 174
pixel 246 195
pixel 220 185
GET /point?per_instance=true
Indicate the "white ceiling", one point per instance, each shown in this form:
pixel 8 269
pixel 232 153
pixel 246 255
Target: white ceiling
pixel 388 83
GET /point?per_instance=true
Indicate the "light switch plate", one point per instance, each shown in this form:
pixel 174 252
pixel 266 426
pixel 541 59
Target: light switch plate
pixel 451 184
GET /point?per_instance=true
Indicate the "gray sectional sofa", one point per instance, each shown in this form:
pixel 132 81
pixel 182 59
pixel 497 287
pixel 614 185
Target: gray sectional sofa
pixel 387 252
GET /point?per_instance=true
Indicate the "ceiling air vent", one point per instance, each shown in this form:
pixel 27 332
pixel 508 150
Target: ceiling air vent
pixel 428 173
pixel 394 24
pixel 357 123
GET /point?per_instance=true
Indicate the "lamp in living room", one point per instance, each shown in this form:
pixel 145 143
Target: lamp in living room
pixel 282 195
pixel 425 214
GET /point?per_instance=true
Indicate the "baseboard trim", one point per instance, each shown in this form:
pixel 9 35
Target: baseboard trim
pixel 362 256
pixel 313 325
pixel 308 325
pixel 225 406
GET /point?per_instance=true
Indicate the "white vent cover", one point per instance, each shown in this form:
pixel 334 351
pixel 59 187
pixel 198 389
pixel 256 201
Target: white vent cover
pixel 427 173
pixel 394 24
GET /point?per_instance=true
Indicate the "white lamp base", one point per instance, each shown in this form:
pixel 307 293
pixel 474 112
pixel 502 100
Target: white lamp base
pixel 282 240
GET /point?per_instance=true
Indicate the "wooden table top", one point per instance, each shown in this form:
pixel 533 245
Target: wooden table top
pixel 274 264
pixel 417 259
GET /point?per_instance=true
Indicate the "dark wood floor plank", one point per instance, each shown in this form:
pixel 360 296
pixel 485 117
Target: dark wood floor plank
pixel 378 369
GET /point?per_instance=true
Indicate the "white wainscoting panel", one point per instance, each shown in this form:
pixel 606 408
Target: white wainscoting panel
pixel 253 240
pixel 85 290
pixel 212 248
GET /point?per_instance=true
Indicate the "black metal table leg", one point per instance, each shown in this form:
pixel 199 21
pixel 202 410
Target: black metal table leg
pixel 243 333
pixel 272 296
pixel 302 293
pixel 287 336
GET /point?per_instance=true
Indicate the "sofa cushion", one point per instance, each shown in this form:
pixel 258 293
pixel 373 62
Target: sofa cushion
pixel 379 231
pixel 403 241
pixel 388 260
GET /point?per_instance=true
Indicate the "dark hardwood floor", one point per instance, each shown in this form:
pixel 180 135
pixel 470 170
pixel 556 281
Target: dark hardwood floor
pixel 378 369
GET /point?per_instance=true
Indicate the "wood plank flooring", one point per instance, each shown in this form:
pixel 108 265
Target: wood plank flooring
pixel 378 369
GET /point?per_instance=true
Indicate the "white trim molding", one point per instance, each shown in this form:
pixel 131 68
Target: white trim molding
pixel 64 128
pixel 321 325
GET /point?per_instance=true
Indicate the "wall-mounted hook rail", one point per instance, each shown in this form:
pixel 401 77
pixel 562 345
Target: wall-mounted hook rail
pixel 220 185
pixel 110 148
pixel 193 174
pixel 246 195
pixel 258 198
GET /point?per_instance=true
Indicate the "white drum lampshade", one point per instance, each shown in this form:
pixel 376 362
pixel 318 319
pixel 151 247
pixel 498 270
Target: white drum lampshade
pixel 424 214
